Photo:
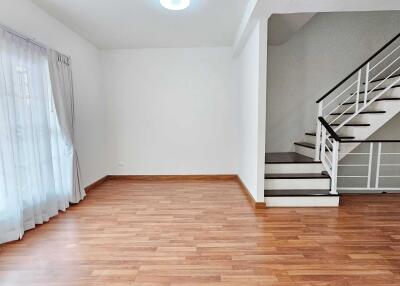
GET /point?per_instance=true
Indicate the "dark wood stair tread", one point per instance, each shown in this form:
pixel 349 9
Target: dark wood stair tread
pixel 297 176
pixel 378 89
pixel 379 99
pixel 352 124
pixel 296 193
pixel 341 137
pixel 288 158
pixel 305 144
pixel 362 112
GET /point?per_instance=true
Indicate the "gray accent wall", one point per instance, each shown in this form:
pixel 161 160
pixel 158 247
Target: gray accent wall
pixel 317 57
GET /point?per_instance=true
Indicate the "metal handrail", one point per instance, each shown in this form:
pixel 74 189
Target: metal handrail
pixel 329 129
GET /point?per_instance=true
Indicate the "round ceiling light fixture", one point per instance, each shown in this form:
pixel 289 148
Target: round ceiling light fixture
pixel 175 5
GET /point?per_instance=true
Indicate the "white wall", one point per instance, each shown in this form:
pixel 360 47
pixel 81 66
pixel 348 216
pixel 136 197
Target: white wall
pixel 170 111
pixel 28 19
pixel 316 58
pixel 251 78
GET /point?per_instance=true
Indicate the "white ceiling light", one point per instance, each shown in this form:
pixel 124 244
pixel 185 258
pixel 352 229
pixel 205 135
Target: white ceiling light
pixel 175 4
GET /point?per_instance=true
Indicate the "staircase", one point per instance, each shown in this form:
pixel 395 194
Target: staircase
pixel 294 180
pixel 347 116
pixel 364 124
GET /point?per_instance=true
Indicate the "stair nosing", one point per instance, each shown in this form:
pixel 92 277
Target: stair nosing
pixel 305 146
pixel 362 112
pixel 381 79
pixel 294 196
pixel 314 162
pixel 299 195
pixel 378 89
pixel 288 158
pixel 352 124
pixel 341 137
pixel 290 176
pixel 379 99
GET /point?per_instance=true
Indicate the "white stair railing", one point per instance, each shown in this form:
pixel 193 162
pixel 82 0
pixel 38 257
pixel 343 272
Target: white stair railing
pixel 354 94
pixel 373 166
pixel 330 152
pixel 349 98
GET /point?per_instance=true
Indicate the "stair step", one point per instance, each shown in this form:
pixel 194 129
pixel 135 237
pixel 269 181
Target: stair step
pixel 284 168
pixel 362 112
pixel 341 137
pixel 296 193
pixel 291 162
pixel 379 99
pixel 305 148
pixel 288 158
pixel 302 201
pixel 378 89
pixel 305 144
pixel 381 79
pixel 352 124
pixel 296 176
pixel 296 181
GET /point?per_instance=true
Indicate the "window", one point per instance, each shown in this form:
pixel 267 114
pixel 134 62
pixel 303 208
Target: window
pixel 35 160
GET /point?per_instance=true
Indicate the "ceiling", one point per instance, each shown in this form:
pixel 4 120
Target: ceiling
pixel 282 27
pixel 124 24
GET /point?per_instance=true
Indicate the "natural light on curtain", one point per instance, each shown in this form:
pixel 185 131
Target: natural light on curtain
pixel 36 160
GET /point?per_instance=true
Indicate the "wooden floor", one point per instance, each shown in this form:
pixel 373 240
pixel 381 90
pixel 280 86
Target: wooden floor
pixel 206 233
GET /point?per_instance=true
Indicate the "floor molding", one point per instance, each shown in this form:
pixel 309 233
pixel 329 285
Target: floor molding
pixel 96 184
pixel 171 177
pixel 256 205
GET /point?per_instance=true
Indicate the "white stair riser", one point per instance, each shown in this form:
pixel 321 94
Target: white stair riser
pixel 353 130
pixel 362 133
pixel 310 139
pixel 304 201
pixel 393 92
pixel 382 83
pixel 297 184
pixel 345 107
pixel 294 168
pixel 361 118
pixel 308 152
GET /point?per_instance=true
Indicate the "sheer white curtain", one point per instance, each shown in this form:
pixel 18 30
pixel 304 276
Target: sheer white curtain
pixel 63 94
pixel 35 160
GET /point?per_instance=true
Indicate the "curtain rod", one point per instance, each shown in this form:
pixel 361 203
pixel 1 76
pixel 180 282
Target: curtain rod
pixel 22 36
